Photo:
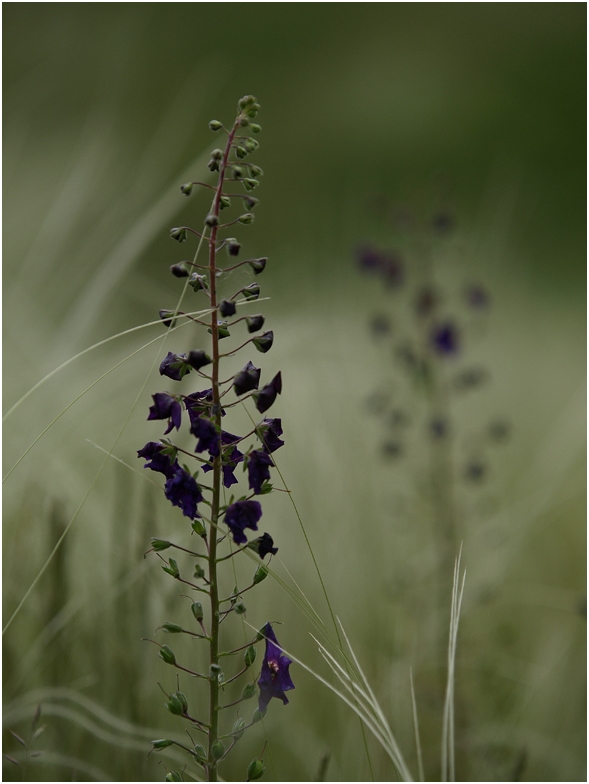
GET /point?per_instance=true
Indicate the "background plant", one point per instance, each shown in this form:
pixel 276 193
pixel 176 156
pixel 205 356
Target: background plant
pixel 105 108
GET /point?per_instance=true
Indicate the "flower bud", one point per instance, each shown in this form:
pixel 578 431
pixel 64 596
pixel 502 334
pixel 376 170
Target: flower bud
pixel 254 323
pixel 197 282
pixel 213 165
pixel 214 671
pixel 217 750
pixel 173 775
pixel 255 128
pixel 217 154
pixel 182 700
pixel 248 692
pixel 249 656
pixel 199 572
pixel 198 527
pixel 244 122
pixel 174 705
pixel 260 575
pixel 160 544
pixel 179 233
pixel 198 359
pixel 200 753
pixel 240 608
pixel 238 172
pixel 172 628
pixel 246 101
pixel 222 330
pixel 247 379
pixel 250 146
pixel 241 152
pixel 227 308
pixel 215 125
pixel 172 568
pixel 165 317
pixel 212 220
pixel 224 202
pixel 239 728
pixel 249 183
pixel 264 342
pixel 179 270
pixel 252 291
pixel 161 744
pixel 258 715
pixel 255 171
pixel 255 770
pixel 187 188
pixel 250 202
pixel 233 247
pixel 246 218
pixel 167 654
pixel 258 265
pixel 197 611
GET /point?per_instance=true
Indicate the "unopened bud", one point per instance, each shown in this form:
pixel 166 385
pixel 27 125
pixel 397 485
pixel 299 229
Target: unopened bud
pixel 217 155
pixel 244 122
pixel 179 270
pixel 198 359
pixel 200 753
pixel 239 728
pixel 241 152
pixel 249 656
pixel 255 128
pixel 197 611
pixel 227 308
pixel 165 316
pixel 199 572
pixel 258 715
pixel 161 744
pixel 255 770
pixel 198 528
pixel 172 628
pixel 182 700
pixel 173 775
pixel 224 202
pixel 254 323
pixel 248 692
pixel 249 183
pixel 250 146
pixel 258 265
pixel 238 172
pixel 174 705
pixel 246 218
pixel 213 165
pixel 197 282
pixel 172 568
pixel 250 202
pixel 246 101
pixel 212 220
pixel 222 330
pixel 215 125
pixel 256 171
pixel 214 671
pixel 252 291
pixel 217 750
pixel 187 188
pixel 264 342
pixel 160 544
pixel 178 233
pixel 260 574
pixel 167 654
pixel 233 247
pixel 240 608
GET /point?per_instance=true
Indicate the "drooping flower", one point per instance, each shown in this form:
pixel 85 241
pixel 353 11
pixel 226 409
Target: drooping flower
pixel 166 407
pixel 230 461
pixel 445 339
pixel 241 515
pixel 258 469
pixel 268 432
pixel 267 395
pixel 274 677
pixel 181 489
pixel 158 461
pixel 247 379
pixel 199 403
pixel 208 437
pixel 263 545
pixel 175 366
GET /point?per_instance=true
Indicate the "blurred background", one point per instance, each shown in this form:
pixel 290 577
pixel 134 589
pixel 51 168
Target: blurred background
pixel 376 118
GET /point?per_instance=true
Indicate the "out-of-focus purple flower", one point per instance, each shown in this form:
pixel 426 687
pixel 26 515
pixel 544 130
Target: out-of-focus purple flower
pixel 274 677
pixel 241 515
pixel 258 469
pixel 247 379
pixel 368 257
pixel 208 436
pixel 263 545
pixel 175 366
pixel 477 297
pixel 166 407
pixel 153 451
pixel 181 489
pixel 267 395
pixel 268 432
pixel 445 338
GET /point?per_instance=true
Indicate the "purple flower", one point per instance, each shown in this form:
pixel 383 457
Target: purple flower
pixel 175 366
pixel 153 451
pixel 445 339
pixel 247 379
pixel 274 677
pixel 181 489
pixel 208 437
pixel 267 395
pixel 268 431
pixel 230 461
pixel 198 403
pixel 166 407
pixel 258 469
pixel 241 515
pixel 263 545
pixel 388 264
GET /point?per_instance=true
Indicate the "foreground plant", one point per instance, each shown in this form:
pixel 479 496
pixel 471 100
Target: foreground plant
pixel 217 522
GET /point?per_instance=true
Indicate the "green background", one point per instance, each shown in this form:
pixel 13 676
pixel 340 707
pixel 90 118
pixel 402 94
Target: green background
pixel 476 108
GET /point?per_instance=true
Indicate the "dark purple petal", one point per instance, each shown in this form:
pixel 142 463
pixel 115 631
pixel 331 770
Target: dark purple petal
pixel 258 469
pixel 152 451
pixel 268 431
pixel 267 395
pixel 247 379
pixel 242 515
pixel 208 437
pixel 181 489
pixel 274 677
pixel 263 545
pixel 368 258
pixel 445 339
pixel 166 407
pixel 175 366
